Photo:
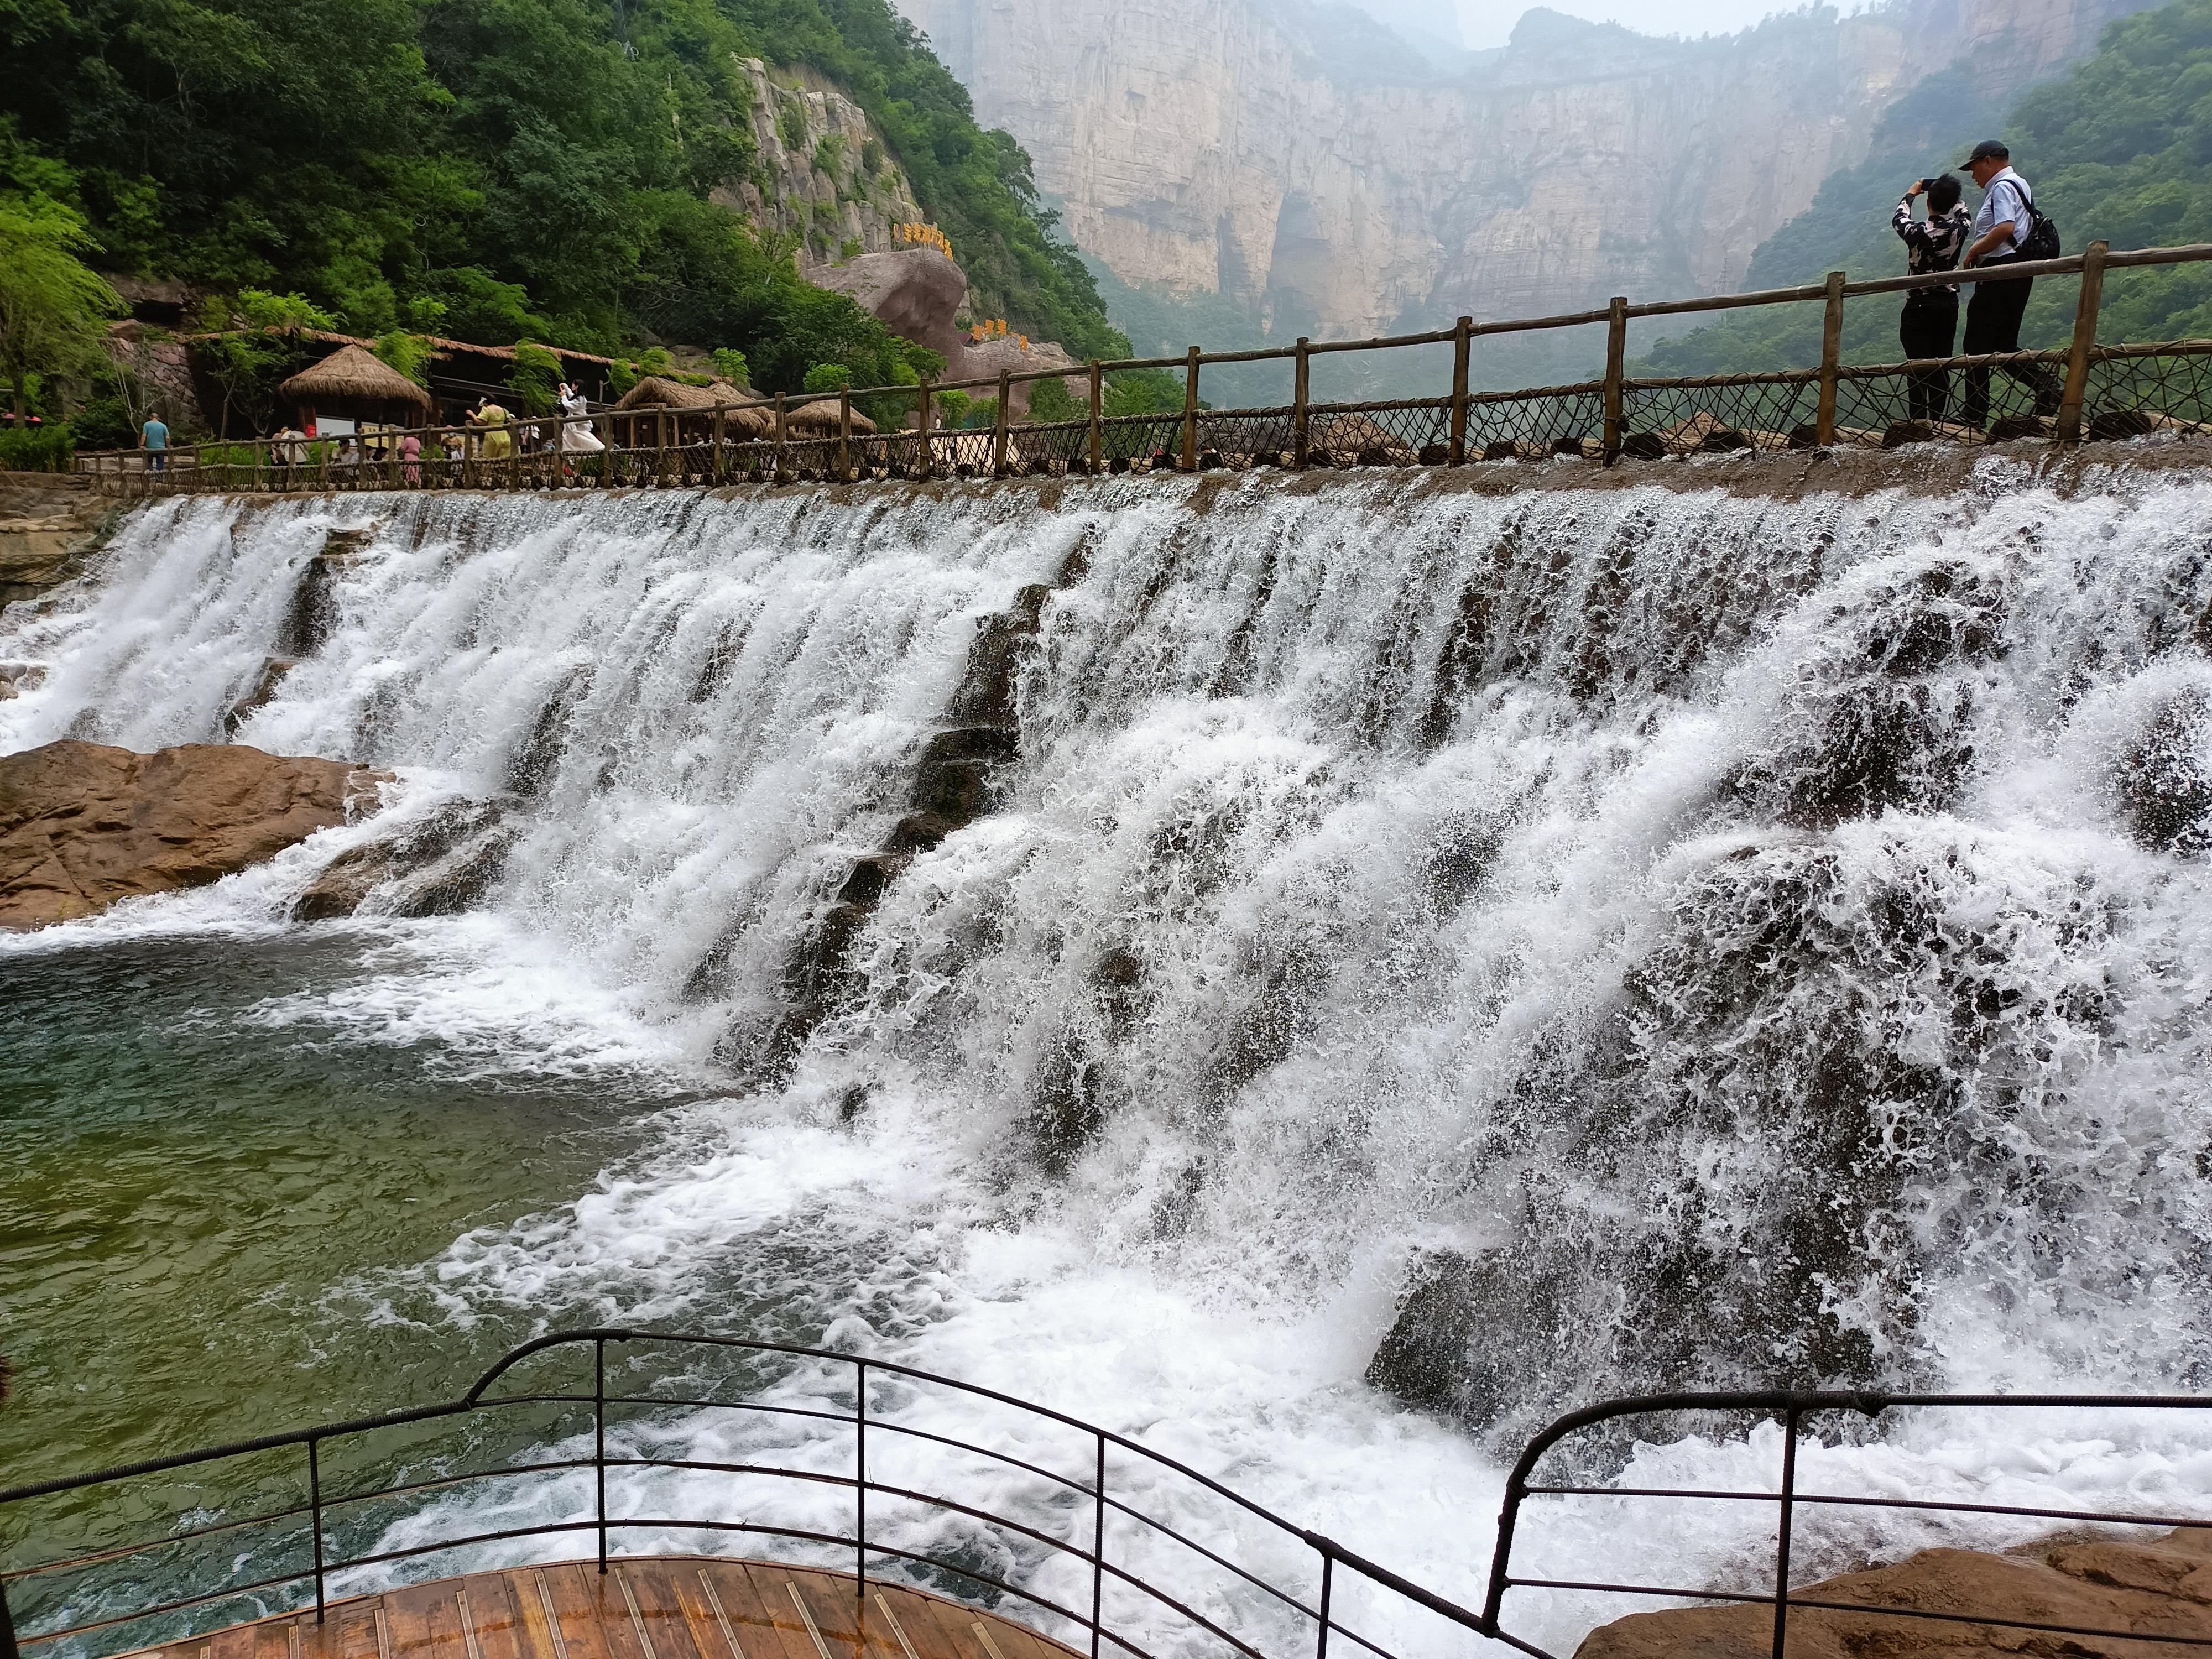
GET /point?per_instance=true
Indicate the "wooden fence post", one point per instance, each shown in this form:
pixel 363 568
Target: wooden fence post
pixel 776 476
pixel 1616 364
pixel 1832 357
pixel 2085 343
pixel 1097 419
pixel 844 434
pixel 927 465
pixel 1462 344
pixel 1301 419
pixel 1189 459
pixel 998 423
pixel 721 437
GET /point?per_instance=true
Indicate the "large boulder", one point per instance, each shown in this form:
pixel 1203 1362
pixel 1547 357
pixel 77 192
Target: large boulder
pixel 82 825
pixel 2156 1587
pixel 915 292
pixel 976 359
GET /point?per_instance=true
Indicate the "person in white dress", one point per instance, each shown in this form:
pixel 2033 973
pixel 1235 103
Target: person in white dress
pixel 577 437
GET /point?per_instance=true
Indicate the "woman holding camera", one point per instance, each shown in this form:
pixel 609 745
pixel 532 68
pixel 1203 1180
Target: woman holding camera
pixel 1930 325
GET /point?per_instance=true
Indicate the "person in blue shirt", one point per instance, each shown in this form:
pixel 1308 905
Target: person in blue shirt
pixel 154 438
pixel 1993 315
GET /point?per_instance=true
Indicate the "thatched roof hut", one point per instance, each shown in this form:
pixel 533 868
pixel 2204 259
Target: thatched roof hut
pixel 747 416
pixel 821 418
pixel 353 383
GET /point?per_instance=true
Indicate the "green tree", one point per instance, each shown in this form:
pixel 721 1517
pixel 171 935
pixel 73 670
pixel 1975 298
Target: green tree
pixel 536 377
pixel 408 353
pixel 251 343
pixel 732 365
pixel 52 308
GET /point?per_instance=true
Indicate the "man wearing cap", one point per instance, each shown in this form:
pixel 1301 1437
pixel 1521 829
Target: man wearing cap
pixel 1993 315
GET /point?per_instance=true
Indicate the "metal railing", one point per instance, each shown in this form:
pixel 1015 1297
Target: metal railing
pixel 2085 389
pixel 306 1582
pixel 1794 1408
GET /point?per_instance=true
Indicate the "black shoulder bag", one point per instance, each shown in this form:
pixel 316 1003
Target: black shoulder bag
pixel 2042 238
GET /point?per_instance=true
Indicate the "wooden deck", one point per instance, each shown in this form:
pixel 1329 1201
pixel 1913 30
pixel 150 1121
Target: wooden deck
pixel 674 1606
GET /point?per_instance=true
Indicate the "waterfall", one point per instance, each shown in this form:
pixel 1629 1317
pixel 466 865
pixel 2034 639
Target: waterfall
pixel 1514 947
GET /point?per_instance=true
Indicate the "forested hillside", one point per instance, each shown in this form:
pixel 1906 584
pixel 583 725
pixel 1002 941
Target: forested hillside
pixel 503 169
pixel 2118 149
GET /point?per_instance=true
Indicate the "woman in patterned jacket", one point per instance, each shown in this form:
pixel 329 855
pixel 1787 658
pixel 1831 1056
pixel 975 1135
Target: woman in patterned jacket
pixel 1930 326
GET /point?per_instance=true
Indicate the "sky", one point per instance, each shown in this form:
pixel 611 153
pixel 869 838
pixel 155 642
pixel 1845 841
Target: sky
pixel 1488 22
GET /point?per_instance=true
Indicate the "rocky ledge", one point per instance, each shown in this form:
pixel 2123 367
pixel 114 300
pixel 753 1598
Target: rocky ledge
pixel 82 825
pixel 2158 1587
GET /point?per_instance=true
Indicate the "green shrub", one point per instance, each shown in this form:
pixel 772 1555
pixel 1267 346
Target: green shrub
pixel 103 423
pixel 828 377
pixel 536 377
pixel 729 363
pixel 829 153
pixel 1051 400
pixel 850 248
pixel 36 449
pixel 790 126
pixel 952 408
pixel 872 157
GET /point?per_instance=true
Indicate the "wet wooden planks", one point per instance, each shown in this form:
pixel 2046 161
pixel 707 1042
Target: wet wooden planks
pixel 642 1607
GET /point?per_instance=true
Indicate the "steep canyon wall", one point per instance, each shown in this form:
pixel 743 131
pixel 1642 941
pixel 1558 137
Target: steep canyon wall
pixel 1337 179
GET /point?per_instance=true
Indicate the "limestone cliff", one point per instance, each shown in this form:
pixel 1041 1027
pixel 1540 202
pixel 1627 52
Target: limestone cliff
pixel 1339 181
pixel 823 175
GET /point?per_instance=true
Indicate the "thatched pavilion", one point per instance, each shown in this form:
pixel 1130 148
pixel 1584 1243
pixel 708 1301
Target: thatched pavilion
pixel 354 384
pixel 745 415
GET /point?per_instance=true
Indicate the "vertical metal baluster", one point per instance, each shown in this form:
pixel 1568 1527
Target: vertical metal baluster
pixel 1782 1544
pixel 1328 1583
pixel 1098 1520
pixel 600 1426
pixel 860 1477
pixel 315 1519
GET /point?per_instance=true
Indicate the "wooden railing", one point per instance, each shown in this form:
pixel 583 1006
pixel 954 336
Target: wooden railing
pixel 2086 390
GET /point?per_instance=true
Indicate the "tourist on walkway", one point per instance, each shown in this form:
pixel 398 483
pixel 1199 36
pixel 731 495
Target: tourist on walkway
pixel 154 438
pixel 496 444
pixel 576 435
pixel 410 460
pixel 1929 324
pixel 2001 229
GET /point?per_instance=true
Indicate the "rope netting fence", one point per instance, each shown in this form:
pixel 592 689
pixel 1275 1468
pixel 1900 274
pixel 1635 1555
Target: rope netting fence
pixel 2088 390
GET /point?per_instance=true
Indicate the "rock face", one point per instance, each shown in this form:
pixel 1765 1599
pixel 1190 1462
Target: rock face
pixel 1338 180
pixel 823 175
pixel 915 291
pixel 48 521
pixel 82 825
pixel 2160 1588
pixel 437 865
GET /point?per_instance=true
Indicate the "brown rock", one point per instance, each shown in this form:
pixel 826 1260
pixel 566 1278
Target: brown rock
pixel 82 825
pixel 915 292
pixel 2161 1587
pixel 436 865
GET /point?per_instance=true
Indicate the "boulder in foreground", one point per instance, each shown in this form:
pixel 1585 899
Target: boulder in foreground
pixel 2158 1587
pixel 83 824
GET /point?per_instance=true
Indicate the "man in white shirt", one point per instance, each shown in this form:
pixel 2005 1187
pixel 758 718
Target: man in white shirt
pixel 1993 315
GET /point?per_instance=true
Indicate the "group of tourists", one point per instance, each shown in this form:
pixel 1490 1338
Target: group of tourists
pixel 2007 230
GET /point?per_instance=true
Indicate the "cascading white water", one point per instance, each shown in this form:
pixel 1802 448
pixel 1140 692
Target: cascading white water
pixel 1576 940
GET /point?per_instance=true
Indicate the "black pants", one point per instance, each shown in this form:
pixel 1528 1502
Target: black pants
pixel 1929 328
pixel 1993 325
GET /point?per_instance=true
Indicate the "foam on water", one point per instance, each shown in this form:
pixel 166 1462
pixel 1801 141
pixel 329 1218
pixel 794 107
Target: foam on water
pixel 1739 939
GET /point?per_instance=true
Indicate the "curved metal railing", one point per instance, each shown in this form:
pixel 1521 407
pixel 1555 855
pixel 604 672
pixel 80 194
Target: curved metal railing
pixel 289 1586
pixel 306 1580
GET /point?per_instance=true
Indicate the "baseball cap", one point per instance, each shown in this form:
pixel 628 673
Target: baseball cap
pixel 1989 149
